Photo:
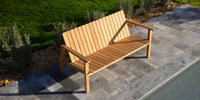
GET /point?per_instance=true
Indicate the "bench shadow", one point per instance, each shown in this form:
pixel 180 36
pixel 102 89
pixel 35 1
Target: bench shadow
pixel 40 82
pixel 135 57
pixel 41 93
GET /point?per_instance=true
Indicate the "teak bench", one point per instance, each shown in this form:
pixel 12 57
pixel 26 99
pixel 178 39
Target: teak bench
pixel 96 45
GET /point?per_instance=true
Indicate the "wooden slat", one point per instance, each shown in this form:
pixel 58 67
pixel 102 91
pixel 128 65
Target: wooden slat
pixel 71 44
pixel 93 65
pixel 126 50
pixel 126 26
pixel 123 49
pixel 100 33
pixel 88 42
pixel 104 33
pixel 96 60
pixel 111 52
pixel 110 48
pixel 90 38
pixel 84 41
pixel 94 37
pixel 80 65
pixel 136 42
pixel 98 36
pixel 110 30
pixel 132 46
pixel 67 42
pixel 122 21
pixel 105 25
pixel 135 39
pixel 75 42
pixel 103 62
pixel 106 30
pixel 108 54
pixel 106 57
pixel 103 56
pixel 113 27
pixel 118 24
pixel 79 41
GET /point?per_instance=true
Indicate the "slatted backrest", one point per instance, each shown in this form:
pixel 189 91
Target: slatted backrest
pixel 96 35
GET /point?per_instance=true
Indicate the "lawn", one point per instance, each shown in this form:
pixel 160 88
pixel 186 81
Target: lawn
pixel 192 2
pixel 38 16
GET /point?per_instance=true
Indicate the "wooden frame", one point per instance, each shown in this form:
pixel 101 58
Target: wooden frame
pixel 97 45
pixel 85 59
pixel 150 29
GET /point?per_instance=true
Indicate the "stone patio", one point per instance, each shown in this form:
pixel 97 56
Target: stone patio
pixel 175 44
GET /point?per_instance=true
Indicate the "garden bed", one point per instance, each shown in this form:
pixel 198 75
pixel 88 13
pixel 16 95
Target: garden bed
pixel 50 55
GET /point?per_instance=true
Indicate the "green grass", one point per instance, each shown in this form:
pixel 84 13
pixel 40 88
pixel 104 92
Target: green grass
pixel 192 2
pixel 38 16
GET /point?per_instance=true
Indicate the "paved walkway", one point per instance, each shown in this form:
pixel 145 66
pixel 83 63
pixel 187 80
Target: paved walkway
pixel 175 44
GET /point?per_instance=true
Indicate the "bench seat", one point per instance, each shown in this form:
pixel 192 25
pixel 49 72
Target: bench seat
pixel 112 53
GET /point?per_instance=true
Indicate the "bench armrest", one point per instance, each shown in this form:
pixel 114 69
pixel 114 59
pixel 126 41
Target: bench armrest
pixel 140 24
pixel 80 56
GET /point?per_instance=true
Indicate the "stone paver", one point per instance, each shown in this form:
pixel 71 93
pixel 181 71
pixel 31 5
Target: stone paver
pixel 101 94
pixel 109 75
pixel 50 83
pixel 175 44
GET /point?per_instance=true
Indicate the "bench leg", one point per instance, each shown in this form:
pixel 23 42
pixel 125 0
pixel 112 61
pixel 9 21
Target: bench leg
pixel 149 46
pixel 148 50
pixel 62 57
pixel 87 83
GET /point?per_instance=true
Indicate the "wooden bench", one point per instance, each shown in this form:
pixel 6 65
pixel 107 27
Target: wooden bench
pixel 96 45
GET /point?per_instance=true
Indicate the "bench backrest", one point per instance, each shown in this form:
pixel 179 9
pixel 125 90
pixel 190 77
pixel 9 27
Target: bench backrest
pixel 96 35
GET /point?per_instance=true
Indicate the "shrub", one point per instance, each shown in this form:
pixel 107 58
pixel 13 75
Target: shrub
pixel 96 14
pixel 5 35
pixel 59 28
pixel 126 6
pixel 145 6
pixel 17 39
pixel 16 55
